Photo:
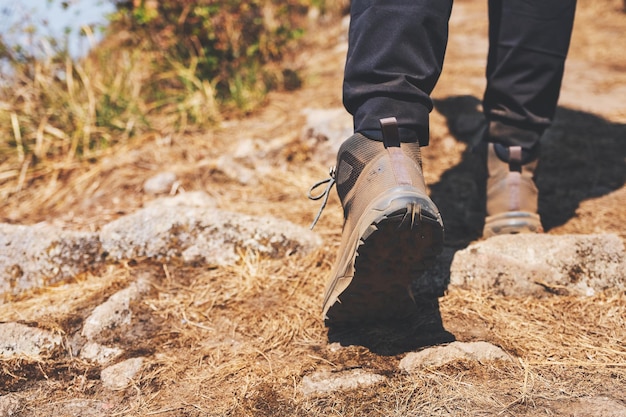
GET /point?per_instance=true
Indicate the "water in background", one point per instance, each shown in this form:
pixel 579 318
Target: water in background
pixel 31 24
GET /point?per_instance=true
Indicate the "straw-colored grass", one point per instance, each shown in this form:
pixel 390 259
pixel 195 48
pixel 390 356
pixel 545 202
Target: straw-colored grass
pixel 238 340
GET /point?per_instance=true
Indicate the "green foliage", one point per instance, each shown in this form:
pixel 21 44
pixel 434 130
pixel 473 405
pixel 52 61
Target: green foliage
pixel 170 66
pixel 230 43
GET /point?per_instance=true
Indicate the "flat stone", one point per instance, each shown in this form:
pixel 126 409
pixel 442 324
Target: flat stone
pixel 79 407
pixel 324 382
pixel 39 255
pixel 9 405
pixel 238 170
pixel 440 355
pixel 185 199
pixel 114 312
pixel 534 264
pixel 97 353
pixel 326 130
pixel 249 160
pixel 592 407
pixel 121 375
pixel 195 234
pixel 161 183
pixel 19 340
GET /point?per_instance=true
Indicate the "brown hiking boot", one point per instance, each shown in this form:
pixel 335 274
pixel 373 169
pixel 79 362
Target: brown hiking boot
pixel 392 230
pixel 511 194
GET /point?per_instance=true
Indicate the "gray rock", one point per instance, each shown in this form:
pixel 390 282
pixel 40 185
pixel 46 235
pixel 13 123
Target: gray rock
pixel 185 199
pixel 121 375
pixel 160 184
pixel 114 312
pixel 249 160
pixel 202 234
pixel 9 405
pixel 237 170
pixel 324 382
pixel 39 255
pixel 440 355
pixel 97 353
pixel 592 407
pixel 19 340
pixel 79 407
pixel 531 264
pixel 327 129
pixel 187 227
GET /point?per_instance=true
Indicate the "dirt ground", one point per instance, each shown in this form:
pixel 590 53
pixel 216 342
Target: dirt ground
pixel 238 341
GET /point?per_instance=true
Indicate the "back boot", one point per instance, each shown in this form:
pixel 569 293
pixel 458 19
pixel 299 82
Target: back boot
pixel 511 193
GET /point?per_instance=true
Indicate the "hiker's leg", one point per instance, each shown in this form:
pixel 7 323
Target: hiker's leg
pixel 528 44
pixel 395 55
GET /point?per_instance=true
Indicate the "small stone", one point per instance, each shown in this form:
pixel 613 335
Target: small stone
pixel 327 129
pixel 440 355
pixel 20 340
pixel 185 199
pixel 236 170
pixel 9 405
pixel 97 353
pixel 592 407
pixel 323 382
pixel 160 184
pixel 121 375
pixel 114 312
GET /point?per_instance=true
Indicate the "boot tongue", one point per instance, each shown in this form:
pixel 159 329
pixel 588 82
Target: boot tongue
pixel 391 135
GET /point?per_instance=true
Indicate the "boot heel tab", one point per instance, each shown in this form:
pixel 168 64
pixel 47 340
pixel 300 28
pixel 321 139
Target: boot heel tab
pixel 391 134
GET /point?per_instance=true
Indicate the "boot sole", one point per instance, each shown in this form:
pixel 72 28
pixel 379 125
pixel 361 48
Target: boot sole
pixel 512 222
pixel 397 237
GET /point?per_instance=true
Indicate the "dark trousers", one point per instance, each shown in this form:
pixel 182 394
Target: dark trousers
pixel 396 52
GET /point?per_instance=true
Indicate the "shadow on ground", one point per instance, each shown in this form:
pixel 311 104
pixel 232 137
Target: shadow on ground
pixel 583 157
pixel 422 328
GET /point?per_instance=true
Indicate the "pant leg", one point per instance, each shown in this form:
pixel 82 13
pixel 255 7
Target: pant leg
pixel 395 56
pixel 528 44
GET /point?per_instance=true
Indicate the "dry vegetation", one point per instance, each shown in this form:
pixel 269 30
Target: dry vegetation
pixel 238 341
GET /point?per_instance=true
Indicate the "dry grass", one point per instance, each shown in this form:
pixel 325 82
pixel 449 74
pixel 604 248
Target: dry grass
pixel 238 341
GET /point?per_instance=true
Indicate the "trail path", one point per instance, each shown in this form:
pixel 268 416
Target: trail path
pixel 143 335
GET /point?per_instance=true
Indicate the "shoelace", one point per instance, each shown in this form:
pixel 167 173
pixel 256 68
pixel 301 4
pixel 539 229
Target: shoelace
pixel 330 181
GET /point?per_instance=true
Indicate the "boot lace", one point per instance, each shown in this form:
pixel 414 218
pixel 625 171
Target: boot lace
pixel 330 181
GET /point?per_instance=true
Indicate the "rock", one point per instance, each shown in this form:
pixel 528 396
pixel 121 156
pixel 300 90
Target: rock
pixel 327 129
pixel 592 407
pixel 121 375
pixel 201 235
pixel 20 340
pixel 114 312
pixel 39 255
pixel 440 355
pixel 531 264
pixel 160 184
pixel 186 199
pixel 97 353
pixel 79 407
pixel 249 160
pixel 9 405
pixel 187 227
pixel 237 170
pixel 324 382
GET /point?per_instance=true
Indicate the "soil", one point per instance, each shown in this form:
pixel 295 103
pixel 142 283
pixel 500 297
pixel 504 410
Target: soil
pixel 239 340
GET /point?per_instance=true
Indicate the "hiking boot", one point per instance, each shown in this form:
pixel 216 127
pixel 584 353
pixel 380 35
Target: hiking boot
pixel 511 192
pixel 392 230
